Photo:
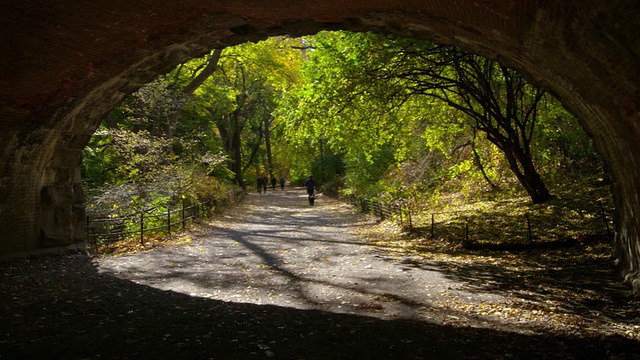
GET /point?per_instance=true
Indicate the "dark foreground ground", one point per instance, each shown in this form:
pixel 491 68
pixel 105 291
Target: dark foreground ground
pixel 147 306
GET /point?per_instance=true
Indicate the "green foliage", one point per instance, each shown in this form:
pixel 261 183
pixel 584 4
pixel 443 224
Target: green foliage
pixel 391 118
pixel 99 161
pixel 407 117
pixel 146 174
pixel 343 111
pixel 239 102
pixel 164 145
pixel 130 167
pixel 561 140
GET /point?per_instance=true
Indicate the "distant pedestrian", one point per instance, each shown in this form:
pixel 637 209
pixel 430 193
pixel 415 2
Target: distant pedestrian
pixel 259 184
pixel 265 183
pixel 310 185
pixel 282 182
pixel 273 182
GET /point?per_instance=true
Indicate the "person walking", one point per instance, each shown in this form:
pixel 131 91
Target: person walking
pixel 310 185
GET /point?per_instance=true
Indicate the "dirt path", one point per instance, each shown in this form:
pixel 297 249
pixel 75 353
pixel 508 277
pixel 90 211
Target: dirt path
pixel 271 278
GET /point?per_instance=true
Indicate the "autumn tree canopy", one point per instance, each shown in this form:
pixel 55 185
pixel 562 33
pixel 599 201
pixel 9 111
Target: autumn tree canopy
pixel 365 113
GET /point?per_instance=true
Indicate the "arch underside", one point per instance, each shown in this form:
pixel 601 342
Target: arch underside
pixel 65 65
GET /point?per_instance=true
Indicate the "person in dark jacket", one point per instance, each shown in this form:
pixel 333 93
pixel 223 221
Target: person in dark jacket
pixel 310 185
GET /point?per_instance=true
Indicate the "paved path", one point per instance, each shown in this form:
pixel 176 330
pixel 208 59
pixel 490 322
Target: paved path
pixel 276 249
pixel 272 278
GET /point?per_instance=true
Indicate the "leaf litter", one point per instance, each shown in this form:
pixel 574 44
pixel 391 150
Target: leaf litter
pixel 573 291
pixel 570 293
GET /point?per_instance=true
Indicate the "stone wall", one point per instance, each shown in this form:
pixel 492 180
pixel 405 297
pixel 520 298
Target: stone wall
pixel 65 64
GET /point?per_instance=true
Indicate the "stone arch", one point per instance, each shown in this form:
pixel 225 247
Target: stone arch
pixel 65 65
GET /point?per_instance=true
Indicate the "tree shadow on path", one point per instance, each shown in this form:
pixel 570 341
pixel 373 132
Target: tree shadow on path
pixel 63 308
pixel 72 308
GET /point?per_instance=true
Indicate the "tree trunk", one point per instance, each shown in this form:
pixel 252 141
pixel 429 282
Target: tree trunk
pixel 267 143
pixel 522 166
pixel 252 155
pixel 236 149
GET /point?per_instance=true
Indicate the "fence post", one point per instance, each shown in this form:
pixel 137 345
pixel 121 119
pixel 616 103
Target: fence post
pixel 604 217
pixel 142 227
pixel 432 226
pixel 529 228
pixel 169 219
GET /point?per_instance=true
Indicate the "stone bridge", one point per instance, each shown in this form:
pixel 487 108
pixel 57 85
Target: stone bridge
pixel 65 64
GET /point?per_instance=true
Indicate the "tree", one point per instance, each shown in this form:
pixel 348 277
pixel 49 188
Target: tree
pixel 370 81
pixel 499 101
pixel 240 100
pixel 341 115
pixel 137 157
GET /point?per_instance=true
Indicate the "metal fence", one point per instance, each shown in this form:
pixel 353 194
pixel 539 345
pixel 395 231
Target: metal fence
pixel 380 209
pixel 488 228
pixel 107 230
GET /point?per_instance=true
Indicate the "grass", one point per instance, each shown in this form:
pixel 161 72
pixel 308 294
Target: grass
pixel 580 211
